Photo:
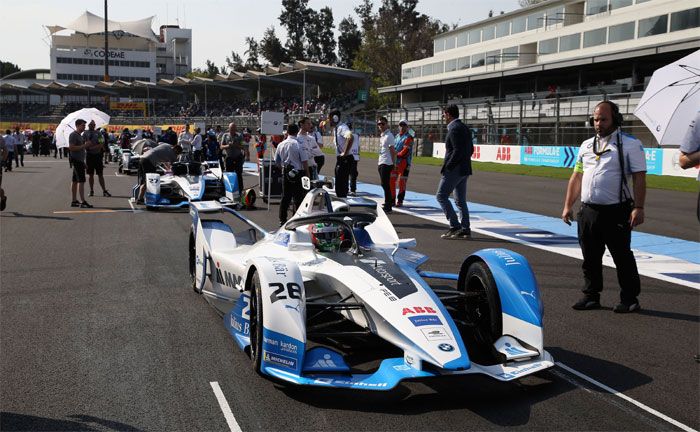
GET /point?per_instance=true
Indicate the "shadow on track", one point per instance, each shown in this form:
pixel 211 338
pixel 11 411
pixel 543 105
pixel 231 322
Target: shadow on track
pixel 22 215
pixel 669 315
pixel 22 422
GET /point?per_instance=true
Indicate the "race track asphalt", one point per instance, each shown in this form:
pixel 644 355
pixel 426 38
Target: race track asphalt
pixel 99 329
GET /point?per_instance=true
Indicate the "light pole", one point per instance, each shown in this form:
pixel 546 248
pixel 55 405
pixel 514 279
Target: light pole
pixel 106 77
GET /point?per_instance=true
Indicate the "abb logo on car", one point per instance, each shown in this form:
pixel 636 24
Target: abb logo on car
pixel 503 154
pixel 477 152
pixel 418 310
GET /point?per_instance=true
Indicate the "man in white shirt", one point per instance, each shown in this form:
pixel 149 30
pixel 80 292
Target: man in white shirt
pixel 343 140
pixel 306 138
pixel 355 151
pixel 385 162
pixel 10 149
pixel 321 158
pixel 197 145
pixel 184 140
pixel 20 143
pixel 291 156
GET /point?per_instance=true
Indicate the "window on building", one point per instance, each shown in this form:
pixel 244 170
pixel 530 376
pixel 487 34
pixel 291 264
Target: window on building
pixel 474 36
pixel 502 29
pixel 438 68
pixel 463 63
pixel 570 42
pixel 686 19
pixel 478 60
pixel 554 15
pixel 462 39
pixel 415 73
pixel 493 57
pixel 653 26
pixel 617 4
pixel 595 37
pixel 451 65
pixel 509 54
pixel 621 32
pixel 535 21
pixel 438 45
pixel 450 42
pixel 488 33
pixel 548 46
pixel 405 73
pixel 519 25
pixel 427 70
pixel 596 6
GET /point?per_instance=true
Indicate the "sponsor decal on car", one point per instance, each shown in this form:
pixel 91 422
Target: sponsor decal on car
pixel 388 294
pixel 348 383
pixel 418 310
pixel 240 327
pixel 435 333
pixel 227 278
pixel 282 239
pixel 518 372
pixel 425 320
pixel 446 347
pixel 281 360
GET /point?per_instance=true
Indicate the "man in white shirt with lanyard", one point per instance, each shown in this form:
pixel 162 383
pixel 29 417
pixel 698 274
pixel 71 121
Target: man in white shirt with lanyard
pixel 292 158
pixel 308 141
pixel 343 140
pixel 184 140
pixel 386 161
pixel 609 210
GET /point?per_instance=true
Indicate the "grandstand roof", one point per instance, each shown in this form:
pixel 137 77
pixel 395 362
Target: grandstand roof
pixel 89 23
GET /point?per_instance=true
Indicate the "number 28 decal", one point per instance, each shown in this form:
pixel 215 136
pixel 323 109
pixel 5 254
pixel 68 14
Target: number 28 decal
pixel 292 290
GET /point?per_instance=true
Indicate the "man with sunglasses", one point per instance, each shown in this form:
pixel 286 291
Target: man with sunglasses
pixel 387 156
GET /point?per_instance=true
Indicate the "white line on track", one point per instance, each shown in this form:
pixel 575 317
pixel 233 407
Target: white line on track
pixel 225 408
pixel 614 392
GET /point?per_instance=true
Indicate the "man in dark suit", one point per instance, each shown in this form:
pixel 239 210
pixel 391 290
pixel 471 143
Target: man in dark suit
pixel 455 171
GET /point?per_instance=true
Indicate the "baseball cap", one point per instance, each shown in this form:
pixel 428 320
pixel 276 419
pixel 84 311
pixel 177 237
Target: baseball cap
pixel 403 121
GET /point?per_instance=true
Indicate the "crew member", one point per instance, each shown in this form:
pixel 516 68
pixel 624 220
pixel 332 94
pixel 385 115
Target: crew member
pixel 231 146
pixel 93 159
pixel 164 154
pixel 343 140
pixel 404 154
pixel 292 158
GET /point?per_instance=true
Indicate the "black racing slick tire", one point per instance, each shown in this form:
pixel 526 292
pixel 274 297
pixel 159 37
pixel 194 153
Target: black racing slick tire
pixel 256 323
pixel 193 263
pixel 483 308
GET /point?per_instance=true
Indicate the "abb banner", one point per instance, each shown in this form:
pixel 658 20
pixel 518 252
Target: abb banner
pixel 497 153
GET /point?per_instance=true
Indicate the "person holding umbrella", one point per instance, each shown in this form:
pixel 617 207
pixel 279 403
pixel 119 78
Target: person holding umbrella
pixel 76 146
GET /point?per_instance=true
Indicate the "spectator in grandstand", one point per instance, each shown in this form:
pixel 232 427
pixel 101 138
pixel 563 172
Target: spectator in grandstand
pixel 455 171
pixel 404 155
pixel 690 150
pixel 308 143
pixel 3 159
pixel 343 140
pixel 320 158
pixel 260 145
pixel 125 139
pixel 232 148
pixel 76 146
pixel 385 162
pixel 609 210
pixel 20 147
pixel 197 145
pixel 10 149
pixel 163 153
pixel 93 159
pixel 292 158
pixel 184 140
pixel 355 151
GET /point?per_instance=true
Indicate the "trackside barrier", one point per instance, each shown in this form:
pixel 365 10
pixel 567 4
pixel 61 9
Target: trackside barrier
pixel 659 161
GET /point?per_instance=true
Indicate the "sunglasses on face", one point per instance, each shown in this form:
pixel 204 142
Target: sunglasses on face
pixel 381 123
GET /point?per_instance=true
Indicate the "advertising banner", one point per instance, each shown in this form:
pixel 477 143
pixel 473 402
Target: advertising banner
pixel 127 106
pixel 670 167
pixel 561 157
pixel 654 160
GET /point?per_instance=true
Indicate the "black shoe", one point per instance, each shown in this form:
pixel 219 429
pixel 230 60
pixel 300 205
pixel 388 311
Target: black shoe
pixel 3 203
pixel 92 193
pixel 586 303
pixel 463 234
pixel 85 204
pixel 451 233
pixel 106 193
pixel 387 210
pixel 623 307
pixel 75 204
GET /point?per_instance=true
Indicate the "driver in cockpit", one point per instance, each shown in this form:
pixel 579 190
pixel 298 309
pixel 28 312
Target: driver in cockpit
pixel 326 236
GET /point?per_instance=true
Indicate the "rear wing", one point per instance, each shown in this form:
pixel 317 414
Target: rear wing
pixel 197 207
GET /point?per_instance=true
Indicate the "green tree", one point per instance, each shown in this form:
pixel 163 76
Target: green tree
pixel 271 48
pixel 320 46
pixel 313 37
pixel 349 42
pixel 252 52
pixel 235 62
pixel 7 68
pixel 295 17
pixel 211 69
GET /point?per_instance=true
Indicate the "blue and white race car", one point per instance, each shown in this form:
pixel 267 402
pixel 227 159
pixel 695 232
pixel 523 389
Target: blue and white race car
pixel 301 300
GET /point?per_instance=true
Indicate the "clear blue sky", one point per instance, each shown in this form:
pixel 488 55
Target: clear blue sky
pixel 218 26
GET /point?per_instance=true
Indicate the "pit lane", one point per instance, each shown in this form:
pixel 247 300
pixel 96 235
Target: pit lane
pixel 100 331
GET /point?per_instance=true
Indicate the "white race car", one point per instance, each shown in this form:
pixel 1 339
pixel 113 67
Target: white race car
pixel 336 275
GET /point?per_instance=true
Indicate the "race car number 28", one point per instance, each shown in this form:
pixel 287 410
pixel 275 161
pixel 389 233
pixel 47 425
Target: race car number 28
pixel 292 290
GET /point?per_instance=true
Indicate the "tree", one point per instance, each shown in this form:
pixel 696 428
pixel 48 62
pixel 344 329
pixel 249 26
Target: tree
pixel 211 69
pixel 349 42
pixel 271 48
pixel 252 52
pixel 313 37
pixel 235 62
pixel 295 17
pixel 7 68
pixel 320 39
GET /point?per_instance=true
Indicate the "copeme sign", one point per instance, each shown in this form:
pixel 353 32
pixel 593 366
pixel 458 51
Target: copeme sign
pixel 100 53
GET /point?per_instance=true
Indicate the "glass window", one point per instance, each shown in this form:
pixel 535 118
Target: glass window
pixel 685 19
pixel 438 68
pixel 406 73
pixel 555 15
pixel 653 26
pixel 642 1
pixel 570 42
pixel 450 42
pixel 415 73
pixel 535 21
pixel 617 4
pixel 475 36
pixel 493 57
pixel 596 6
pixel 548 46
pixel 488 33
pixel 621 32
pixel 462 39
pixel 450 65
pixel 478 60
pixel 438 45
pixel 427 70
pixel 503 29
pixel 519 25
pixel 463 63
pixel 595 37
pixel 510 54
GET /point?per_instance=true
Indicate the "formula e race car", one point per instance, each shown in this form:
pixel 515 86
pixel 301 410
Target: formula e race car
pixel 188 181
pixel 336 276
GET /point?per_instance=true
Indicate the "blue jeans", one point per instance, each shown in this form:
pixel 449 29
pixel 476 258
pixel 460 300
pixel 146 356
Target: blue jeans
pixel 454 181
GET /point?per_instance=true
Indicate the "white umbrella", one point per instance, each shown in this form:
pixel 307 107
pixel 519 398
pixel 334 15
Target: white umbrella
pixel 67 125
pixel 671 99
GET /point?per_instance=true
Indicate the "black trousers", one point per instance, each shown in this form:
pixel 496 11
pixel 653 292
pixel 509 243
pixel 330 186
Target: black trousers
pixel 235 164
pixel 320 160
pixel 291 190
pixel 385 178
pixel 19 155
pixel 343 166
pixel 607 225
pixel 353 175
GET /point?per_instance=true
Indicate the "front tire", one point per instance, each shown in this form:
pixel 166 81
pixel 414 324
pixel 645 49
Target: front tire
pixel 256 323
pixel 193 263
pixel 483 309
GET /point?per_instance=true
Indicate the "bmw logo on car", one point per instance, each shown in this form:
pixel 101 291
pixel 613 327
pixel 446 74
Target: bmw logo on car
pixel 446 347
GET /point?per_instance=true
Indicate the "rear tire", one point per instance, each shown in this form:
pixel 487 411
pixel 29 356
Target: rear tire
pixel 193 263
pixel 483 311
pixel 256 323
